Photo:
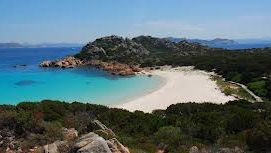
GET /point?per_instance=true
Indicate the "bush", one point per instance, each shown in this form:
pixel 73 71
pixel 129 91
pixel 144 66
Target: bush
pixel 53 131
pixel 259 139
pixel 169 135
pixel 259 87
pixel 241 120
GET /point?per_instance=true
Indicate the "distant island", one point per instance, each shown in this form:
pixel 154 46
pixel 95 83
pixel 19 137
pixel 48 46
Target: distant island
pixel 41 45
pixel 10 45
pixel 218 42
pixel 228 43
pixel 214 43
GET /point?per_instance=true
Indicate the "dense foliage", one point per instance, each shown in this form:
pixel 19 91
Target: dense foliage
pixel 180 126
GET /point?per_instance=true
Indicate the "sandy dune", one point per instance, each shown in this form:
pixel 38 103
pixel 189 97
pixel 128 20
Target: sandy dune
pixel 183 84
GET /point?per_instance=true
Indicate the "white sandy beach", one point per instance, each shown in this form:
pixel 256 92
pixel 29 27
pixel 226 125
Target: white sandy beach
pixel 183 84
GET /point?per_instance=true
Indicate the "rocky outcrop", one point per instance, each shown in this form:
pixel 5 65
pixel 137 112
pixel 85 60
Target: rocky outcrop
pixel 114 48
pixel 52 148
pixel 70 134
pixel 195 149
pixel 8 142
pixel 137 50
pixel 46 64
pixel 230 150
pixel 116 147
pixel 115 68
pixel 87 143
pixel 123 56
pixel 67 62
pixel 182 48
pixel 91 143
pixel 99 125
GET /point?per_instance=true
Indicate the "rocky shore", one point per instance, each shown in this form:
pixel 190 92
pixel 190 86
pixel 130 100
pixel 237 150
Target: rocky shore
pixel 113 67
pixel 67 62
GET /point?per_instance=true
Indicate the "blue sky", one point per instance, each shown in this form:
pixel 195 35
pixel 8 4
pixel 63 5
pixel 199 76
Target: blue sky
pixel 37 21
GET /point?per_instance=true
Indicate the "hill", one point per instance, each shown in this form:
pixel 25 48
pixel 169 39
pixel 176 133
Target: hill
pixel 228 43
pixel 10 45
pixel 216 43
pixel 138 50
pixel 42 45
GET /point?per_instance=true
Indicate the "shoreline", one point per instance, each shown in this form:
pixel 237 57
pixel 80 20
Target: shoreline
pixel 181 85
pixel 134 97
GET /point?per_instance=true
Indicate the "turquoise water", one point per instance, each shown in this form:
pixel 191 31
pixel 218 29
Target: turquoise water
pixel 31 83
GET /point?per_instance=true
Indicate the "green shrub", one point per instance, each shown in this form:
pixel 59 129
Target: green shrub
pixel 169 135
pixel 259 139
pixel 241 120
pixel 259 87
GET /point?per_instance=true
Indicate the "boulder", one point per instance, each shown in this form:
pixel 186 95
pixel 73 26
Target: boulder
pixel 51 148
pixel 230 150
pixel 203 150
pixel 56 147
pixel 101 126
pixel 103 142
pixel 45 64
pixel 136 69
pixel 91 143
pixel 67 62
pixel 58 64
pixel 113 67
pixel 70 134
pixel 194 149
pixel 116 147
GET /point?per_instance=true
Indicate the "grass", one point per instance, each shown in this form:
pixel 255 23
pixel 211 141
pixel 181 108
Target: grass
pixel 232 89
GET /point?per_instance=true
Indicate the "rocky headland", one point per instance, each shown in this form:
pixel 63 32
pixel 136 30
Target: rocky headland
pixel 67 62
pixel 115 68
pixel 123 56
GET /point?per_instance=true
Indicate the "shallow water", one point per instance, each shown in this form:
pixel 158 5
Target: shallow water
pixel 22 80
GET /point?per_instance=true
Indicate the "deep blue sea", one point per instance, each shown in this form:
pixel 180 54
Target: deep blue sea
pixel 21 79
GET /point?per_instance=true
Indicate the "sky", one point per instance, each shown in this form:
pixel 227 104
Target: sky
pixel 79 21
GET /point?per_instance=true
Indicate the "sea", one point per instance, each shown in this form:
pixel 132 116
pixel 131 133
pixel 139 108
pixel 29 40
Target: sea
pixel 22 80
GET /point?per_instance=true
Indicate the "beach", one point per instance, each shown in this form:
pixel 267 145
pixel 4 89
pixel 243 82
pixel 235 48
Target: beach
pixel 182 85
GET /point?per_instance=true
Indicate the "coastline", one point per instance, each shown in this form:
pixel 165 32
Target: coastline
pixel 182 85
pixel 147 92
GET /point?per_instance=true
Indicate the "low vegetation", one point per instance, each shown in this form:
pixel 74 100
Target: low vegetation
pixel 232 89
pixel 179 127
